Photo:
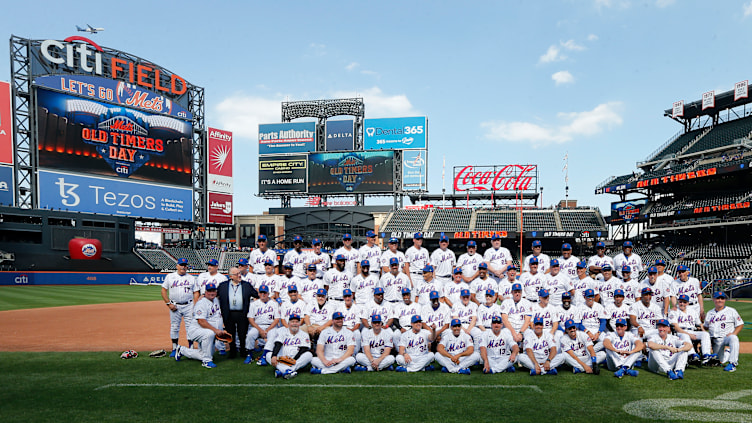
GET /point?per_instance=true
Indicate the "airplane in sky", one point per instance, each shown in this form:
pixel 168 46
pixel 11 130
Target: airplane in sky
pixel 89 28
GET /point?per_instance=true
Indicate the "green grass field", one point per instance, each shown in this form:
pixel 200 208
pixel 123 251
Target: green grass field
pixel 21 297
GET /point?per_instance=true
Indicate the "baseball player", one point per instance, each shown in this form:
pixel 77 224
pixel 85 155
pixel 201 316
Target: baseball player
pixel 687 325
pixel 337 279
pixel 297 257
pixel 618 310
pixel 623 350
pixel 364 284
pixel 600 258
pixel 515 313
pixel 263 317
pixel 540 352
pixel 627 258
pixel 444 261
pixel 568 262
pixel 668 353
pixel 469 262
pixel 543 259
pixel 310 284
pixel 318 312
pixel 436 314
pixel 557 283
pixel 203 328
pixel 292 342
pixel 377 348
pixel 467 312
pixel 608 285
pixel 260 255
pixel 425 285
pixel 178 291
pixel 416 259
pixel 594 320
pixel 532 280
pixel 486 312
pixel 567 311
pixel 685 285
pixel 393 282
pixel 498 350
pixel 724 325
pixel 505 285
pixel 661 292
pixel 211 275
pixel 293 305
pixel 380 307
pixel 283 282
pixel 631 287
pixel 334 352
pixel 268 278
pixel 402 313
pixel 322 261
pixel 370 253
pixel 349 253
pixel 582 284
pixel 578 351
pixel 546 312
pixel 480 285
pixel 497 258
pixel 352 313
pixel 451 291
pixel 247 275
pixel 391 252
pixel 455 352
pixel 415 348
pixel 644 315
pixel 666 278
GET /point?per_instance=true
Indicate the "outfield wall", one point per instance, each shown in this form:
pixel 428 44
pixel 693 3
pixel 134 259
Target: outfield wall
pixel 79 278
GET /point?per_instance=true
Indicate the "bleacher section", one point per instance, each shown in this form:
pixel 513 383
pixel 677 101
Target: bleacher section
pixel 206 255
pixel 676 145
pixel 406 221
pixel 580 221
pixel 723 135
pixel 448 220
pixel 188 253
pixel 541 221
pixel 230 259
pixel 497 221
pixel 158 259
pixel 666 205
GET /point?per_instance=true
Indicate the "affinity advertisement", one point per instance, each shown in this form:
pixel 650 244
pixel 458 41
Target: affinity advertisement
pixel 7 188
pixel 114 197
pixel 6 125
pixel 283 138
pixel 395 133
pixel 339 135
pixel 220 161
pixel 414 169
pixel 283 174
pixel 351 172
pixel 92 137
pixel 220 208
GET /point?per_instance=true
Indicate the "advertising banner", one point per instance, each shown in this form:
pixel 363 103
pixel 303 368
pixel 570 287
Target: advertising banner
pixel 113 196
pixel 395 133
pixel 496 178
pixel 6 125
pixel 340 135
pixel 92 137
pixel 283 174
pixel 351 172
pixel 7 188
pixel 281 138
pixel 628 211
pixel 220 208
pixel 414 169
pixel 220 161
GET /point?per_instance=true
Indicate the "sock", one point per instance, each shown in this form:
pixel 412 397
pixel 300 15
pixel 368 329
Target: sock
pixel 174 344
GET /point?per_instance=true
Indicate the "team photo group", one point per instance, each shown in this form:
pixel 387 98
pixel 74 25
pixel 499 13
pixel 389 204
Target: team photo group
pixel 364 309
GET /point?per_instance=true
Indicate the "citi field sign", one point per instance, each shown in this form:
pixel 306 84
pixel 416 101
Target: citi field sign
pixel 496 178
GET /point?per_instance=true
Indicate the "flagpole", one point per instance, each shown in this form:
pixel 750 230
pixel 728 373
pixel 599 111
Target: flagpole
pixel 443 184
pixel 566 179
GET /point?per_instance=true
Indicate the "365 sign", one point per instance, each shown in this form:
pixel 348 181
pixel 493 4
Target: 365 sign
pixel 496 178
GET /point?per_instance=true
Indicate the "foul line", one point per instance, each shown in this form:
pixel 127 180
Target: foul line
pixel 301 385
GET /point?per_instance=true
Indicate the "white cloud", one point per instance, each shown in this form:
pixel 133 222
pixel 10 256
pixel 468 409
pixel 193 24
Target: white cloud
pixel 572 125
pixel 622 4
pixel 553 54
pixel 351 66
pixel 369 72
pixel 592 37
pixel 379 104
pixel 571 45
pixel 562 77
pixel 242 114
pixel 664 3
pixel 748 9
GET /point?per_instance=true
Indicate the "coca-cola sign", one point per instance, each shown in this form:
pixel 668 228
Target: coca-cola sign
pixel 496 178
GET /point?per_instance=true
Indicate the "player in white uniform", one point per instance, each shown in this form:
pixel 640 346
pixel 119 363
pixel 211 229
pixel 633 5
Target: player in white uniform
pixel 443 261
pixel 263 317
pixel 686 285
pixel 688 327
pixel 284 282
pixel 318 314
pixel 568 262
pixel 293 305
pixel 297 257
pixel 644 315
pixel 594 320
pixel 480 285
pixel 352 312
pixel 532 280
pixel 568 311
pixel 668 353
pixel 546 312
pixel 291 342
pixel 661 292
pixel 416 259
pixel 627 258
pixel 211 275
pixel 469 262
pixel 260 255
pixel 631 287
pixel 377 306
pixel 393 282
pixel 390 253
pixel 455 352
pixel 203 328
pixel 497 258
pixel 370 252
pixel 486 312
pixel 515 313
pixel 724 325
pixel 349 253
pixel 246 273
pixel 309 285
pixel 623 349
pixel 424 285
pixel 436 314
pixel 666 278
pixel 364 284
pixel 557 283
pixel 321 260
pixel 498 350
pixel 608 285
pixel 415 348
pixel 402 313
pixel 377 348
pixel 582 284
pixel 467 312
pixel 505 285
pixel 600 258
pixel 269 278
pixel 543 259
pixel 540 351
pixel 178 291
pixel 334 351
pixel 578 350
pixel 337 279
pixel 618 310
pixel 451 291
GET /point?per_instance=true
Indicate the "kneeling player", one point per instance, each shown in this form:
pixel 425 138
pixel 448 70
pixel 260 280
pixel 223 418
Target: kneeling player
pixel 207 319
pixel 623 349
pixel 455 351
pixel 415 348
pixel 377 347
pixel 577 349
pixel 668 353
pixel 498 351
pixel 540 351
pixel 290 342
pixel 335 348
pixel 724 325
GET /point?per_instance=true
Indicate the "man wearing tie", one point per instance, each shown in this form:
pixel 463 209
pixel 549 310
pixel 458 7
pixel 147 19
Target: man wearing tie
pixel 235 298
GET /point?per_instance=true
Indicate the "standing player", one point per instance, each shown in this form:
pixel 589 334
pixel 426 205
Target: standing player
pixel 600 259
pixel 283 283
pixel 582 284
pixel 211 275
pixel 455 352
pixel 557 283
pixel 349 253
pixel 338 278
pixel 687 325
pixel 322 261
pixel 644 315
pixel 247 275
pixel 623 349
pixel 389 254
pixel 371 253
pixel 203 328
pixel 542 259
pixel 293 305
pixel 178 291
pixel 661 292
pixel 724 325
pixel 364 284
pixel 416 259
pixel 532 280
pixel 578 351
pixel 290 342
pixel 668 353
pixel 480 285
pixel 260 255
pixel 269 278
pixel 424 286
pixel 505 285
pixel 568 262
pixel 684 285
pixel 627 258
pixel 469 262
pixel 444 261
pixel 540 352
pixel 664 277
pixel 352 313
pixel 617 310
pixel 498 350
pixel 452 290
pixel 415 348
pixel 497 258
pixel 515 313
pixel 310 285
pixel 297 257
pixel 334 352
pixel 594 320
pixel 377 348
pixel 436 315
pixel 394 281
pixel 631 287
pixel 608 285
pixel 263 317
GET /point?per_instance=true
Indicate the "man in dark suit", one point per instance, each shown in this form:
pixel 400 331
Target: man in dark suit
pixel 235 298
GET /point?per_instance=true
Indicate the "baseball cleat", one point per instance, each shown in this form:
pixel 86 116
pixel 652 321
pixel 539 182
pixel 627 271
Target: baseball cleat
pixel 575 370
pixel 487 372
pixel 177 354
pixel 464 371
pixel 277 374
pixel 248 360
pixel 346 370
pixel 315 371
pixel 402 369
pixel 289 375
pixel 619 373
pixel 209 365
pixel 172 354
pixel 672 375
pixel 680 374
pixel 731 367
pixel 510 369
pixel 552 372
pixel 390 368
pixel 638 363
pixel 262 361
pixel 360 368
pixel 533 373
pixel 429 368
pixel 705 359
pixel 222 352
pixel 632 372
pixel 444 369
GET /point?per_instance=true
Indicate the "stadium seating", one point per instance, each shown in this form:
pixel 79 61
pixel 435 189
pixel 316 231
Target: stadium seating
pixel 675 146
pixel 450 220
pixel 194 261
pixel 407 221
pixel 540 220
pixel 497 220
pixel 230 259
pixel 158 259
pixel 586 220
pixel 723 135
pixel 208 254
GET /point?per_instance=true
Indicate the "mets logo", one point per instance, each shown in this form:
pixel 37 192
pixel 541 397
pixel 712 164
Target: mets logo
pixel 89 250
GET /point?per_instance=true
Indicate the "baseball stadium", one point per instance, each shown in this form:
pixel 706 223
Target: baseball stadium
pixel 364 296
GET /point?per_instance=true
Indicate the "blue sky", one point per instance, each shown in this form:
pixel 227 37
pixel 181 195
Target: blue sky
pixel 501 82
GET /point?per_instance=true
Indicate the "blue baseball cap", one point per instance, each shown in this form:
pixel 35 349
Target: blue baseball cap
pixel 533 260
pixel 393 261
pixel 652 269
pixel 570 324
pixel 621 322
pixel 607 268
pixel 627 244
pixel 719 294
pixel 405 291
pixel 516 287
pixel 292 288
pixel 370 234
pixel 662 262
pixel 663 322
pixel 243 262
pixel 316 241
pixel 565 295
pixel 182 261
pixel 434 295
pixel 262 237
pixel 263 288
pixel 416 318
pixel 268 262
pixel 213 262
pixel 393 241
pixel 378 291
pixel 457 270
pixel 365 263
pixel 626 269
pixel 538 320
pixel 512 267
pixel 297 238
pixel 537 243
pixel 582 264
pixel 600 244
pixel 346 236
pixel 543 293
pixel 588 293
pixel 565 247
pixel 682 268
pixel 428 269
pixel 339 257
pixel 646 291
pixel 288 266
pixel 684 297
pixel 471 244
pixel 346 292
pixel 495 236
pixel 443 238
pixel 376 318
pixel 496 319
pixel 210 286
pixel 294 316
pixel 455 322
pixel 418 235
pixel 321 292
pixel 465 293
pixel 338 315
pixel 619 293
pixel 483 266
pixel 553 263
pixel 311 267
pixel 490 293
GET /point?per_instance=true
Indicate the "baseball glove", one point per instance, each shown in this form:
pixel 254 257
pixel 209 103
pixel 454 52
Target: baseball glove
pixel 129 354
pixel 225 337
pixel 287 360
pixel 158 354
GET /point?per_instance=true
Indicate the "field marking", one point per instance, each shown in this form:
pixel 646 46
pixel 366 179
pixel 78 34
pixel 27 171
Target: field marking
pixel 722 407
pixel 304 385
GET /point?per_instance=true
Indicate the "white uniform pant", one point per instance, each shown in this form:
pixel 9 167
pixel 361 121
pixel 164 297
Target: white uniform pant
pixel 442 281
pixel 417 363
pixel 498 364
pixel 659 363
pixel 362 359
pixel 253 335
pixel 615 361
pixel 301 362
pixel 524 360
pixel 647 335
pixel 719 348
pixel 600 356
pixel 476 334
pixel 598 345
pixel 356 335
pixel 465 362
pixel 183 312
pixel 205 340
pixel 348 362
pixel 702 336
